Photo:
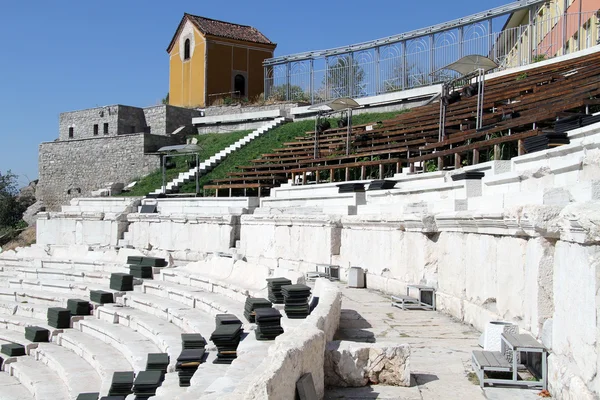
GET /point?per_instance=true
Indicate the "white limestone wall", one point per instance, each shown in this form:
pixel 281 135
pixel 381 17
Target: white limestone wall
pixel 195 233
pixel 297 238
pixel 204 205
pixel 92 229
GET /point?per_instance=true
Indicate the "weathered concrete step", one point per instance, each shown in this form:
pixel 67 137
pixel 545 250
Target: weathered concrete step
pixel 37 311
pixel 17 337
pixel 104 358
pixel 187 318
pixel 213 303
pixel 166 336
pixel 18 323
pixel 40 380
pixel 11 388
pixel 133 345
pixel 76 373
pixel 70 288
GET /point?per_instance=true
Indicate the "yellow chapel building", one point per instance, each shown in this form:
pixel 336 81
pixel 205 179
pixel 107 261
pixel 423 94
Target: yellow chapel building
pixel 211 60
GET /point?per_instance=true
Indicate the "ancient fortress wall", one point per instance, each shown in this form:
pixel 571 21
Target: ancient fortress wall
pixel 74 168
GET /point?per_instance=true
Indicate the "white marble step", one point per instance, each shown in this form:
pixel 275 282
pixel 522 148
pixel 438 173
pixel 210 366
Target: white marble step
pixel 76 373
pixel 30 310
pixel 40 380
pixel 166 336
pixel 103 357
pixel 50 299
pixel 133 345
pixel 73 289
pixel 187 318
pixel 18 323
pixel 61 274
pixel 11 388
pixel 213 303
pixel 11 336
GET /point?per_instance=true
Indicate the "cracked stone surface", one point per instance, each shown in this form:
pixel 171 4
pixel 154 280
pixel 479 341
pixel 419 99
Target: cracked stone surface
pixel 440 347
pixel 354 364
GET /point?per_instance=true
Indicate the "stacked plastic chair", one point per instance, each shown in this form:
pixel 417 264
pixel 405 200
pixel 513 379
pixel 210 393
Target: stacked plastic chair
pixel 253 303
pixel 296 301
pixel 268 324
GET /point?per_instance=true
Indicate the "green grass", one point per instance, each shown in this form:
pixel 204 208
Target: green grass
pixel 213 143
pixel 210 143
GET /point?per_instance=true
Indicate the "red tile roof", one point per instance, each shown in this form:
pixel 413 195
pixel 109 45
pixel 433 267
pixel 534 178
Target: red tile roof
pixel 223 29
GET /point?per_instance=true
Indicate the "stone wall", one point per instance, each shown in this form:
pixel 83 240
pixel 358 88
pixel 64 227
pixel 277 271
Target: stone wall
pixel 197 233
pixel 165 119
pixel 160 120
pixel 131 120
pixel 239 109
pixel 83 122
pixel 75 168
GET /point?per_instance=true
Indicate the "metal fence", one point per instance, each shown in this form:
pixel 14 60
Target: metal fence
pixel 378 68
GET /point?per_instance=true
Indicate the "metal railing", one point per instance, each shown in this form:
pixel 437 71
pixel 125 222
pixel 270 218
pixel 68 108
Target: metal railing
pixel 418 60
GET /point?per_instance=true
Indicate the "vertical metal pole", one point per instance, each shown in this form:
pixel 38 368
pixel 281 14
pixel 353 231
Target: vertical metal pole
pixel 377 72
pixel 461 40
pixel 288 71
pixel 266 83
pixel 197 173
pixel 164 172
pixel 431 58
pixel 351 72
pixel 564 26
pixel 404 66
pixel 326 78
pixel 312 81
pixel 530 37
pixel 316 145
pixel 348 130
pixel 490 29
pixel 579 28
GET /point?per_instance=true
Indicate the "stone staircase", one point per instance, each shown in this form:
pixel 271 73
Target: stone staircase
pixel 216 159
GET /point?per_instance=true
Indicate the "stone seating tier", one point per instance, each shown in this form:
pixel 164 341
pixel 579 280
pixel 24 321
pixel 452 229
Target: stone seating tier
pixel 75 372
pixel 12 389
pixel 41 381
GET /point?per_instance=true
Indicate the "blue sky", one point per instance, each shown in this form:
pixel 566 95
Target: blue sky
pixel 64 55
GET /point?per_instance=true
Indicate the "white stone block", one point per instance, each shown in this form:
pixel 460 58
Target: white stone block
pixel 350 364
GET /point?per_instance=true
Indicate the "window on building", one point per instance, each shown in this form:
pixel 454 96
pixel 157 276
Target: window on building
pixel 106 128
pixel 186 49
pixel 132 129
pixel 95 129
pixel 70 132
pixel 239 85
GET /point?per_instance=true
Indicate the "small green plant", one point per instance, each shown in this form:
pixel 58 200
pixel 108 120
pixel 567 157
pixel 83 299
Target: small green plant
pixel 472 376
pixel 228 101
pixel 522 76
pixel 431 166
pixel 538 58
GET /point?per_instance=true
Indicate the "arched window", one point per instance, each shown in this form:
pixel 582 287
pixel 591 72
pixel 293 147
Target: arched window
pixel 239 85
pixel 186 49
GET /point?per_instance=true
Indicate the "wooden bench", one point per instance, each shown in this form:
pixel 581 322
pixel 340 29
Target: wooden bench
pixel 490 361
pixel 405 302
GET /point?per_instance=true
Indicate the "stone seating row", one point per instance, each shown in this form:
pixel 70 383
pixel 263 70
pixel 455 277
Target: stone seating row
pixel 40 380
pixel 56 367
pixel 236 279
pixel 139 318
pixel 11 388
pixel 105 346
